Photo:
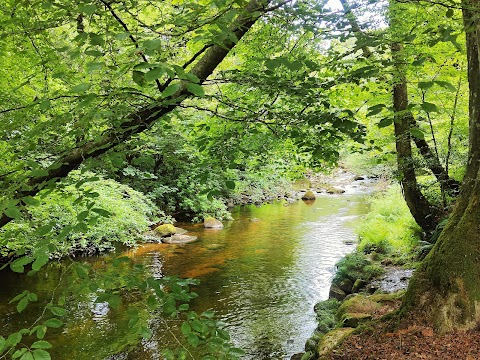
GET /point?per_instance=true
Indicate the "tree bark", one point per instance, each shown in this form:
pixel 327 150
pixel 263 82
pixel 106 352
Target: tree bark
pixel 142 119
pixel 424 213
pixel 445 290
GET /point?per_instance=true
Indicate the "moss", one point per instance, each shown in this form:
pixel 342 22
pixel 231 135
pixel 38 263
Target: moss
pixel 326 315
pixel 358 304
pixel 165 230
pixel 309 195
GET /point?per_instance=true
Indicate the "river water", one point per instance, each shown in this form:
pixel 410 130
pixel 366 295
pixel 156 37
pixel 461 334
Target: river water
pixel 261 274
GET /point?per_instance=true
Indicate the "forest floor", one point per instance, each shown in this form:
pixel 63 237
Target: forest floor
pixel 414 342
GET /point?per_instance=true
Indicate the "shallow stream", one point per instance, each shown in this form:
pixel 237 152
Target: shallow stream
pixel 262 274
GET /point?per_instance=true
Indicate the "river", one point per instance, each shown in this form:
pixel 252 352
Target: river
pixel 261 274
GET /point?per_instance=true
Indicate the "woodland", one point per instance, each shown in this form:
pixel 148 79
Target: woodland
pixel 119 114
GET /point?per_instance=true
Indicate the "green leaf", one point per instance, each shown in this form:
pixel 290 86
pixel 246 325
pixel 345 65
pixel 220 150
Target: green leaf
pixel 82 216
pixel 102 212
pixel 93 66
pixel 170 90
pixel 53 323
pixel 41 331
pixel 114 301
pixel 58 311
pixel 81 88
pixel 449 13
pixel 193 339
pixel 40 261
pixel 27 356
pixel 18 265
pixel 13 212
pixel 19 296
pixel 94 53
pixel 416 132
pixel 425 84
pixel 419 62
pixel 30 201
pixel 446 85
pixel 41 344
pixel 19 353
pixel 32 297
pixel 39 354
pixel 429 107
pixel 230 184
pixel 196 89
pixel 186 328
pixel 88 9
pixel 385 122
pixel 139 77
pixel 154 74
pixel 376 109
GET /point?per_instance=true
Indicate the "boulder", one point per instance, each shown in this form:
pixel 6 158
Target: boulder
pixel 179 239
pixel 165 230
pixel 180 231
pixel 336 293
pixel 335 190
pixel 212 223
pixel 358 304
pixel 331 340
pixel 309 195
pixel 358 285
pixel 354 319
pixel 358 178
pixel 346 285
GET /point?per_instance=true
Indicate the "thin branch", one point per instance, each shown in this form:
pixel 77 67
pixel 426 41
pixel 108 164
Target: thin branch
pixel 130 36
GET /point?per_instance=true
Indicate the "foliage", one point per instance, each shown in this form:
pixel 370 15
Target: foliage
pixel 82 217
pixel 326 312
pixel 356 266
pixel 113 288
pixel 389 226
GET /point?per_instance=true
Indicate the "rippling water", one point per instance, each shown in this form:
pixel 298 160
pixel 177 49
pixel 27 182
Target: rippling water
pixel 262 274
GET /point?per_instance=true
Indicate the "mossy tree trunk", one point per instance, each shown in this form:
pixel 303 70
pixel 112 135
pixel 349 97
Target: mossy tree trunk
pixel 445 290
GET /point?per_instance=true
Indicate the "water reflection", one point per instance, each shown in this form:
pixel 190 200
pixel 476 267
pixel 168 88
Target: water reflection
pixel 262 274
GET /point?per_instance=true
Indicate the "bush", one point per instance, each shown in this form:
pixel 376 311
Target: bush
pixel 89 217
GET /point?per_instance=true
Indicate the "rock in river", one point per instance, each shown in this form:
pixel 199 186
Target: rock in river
pixel 309 195
pixel 165 230
pixel 212 223
pixel 179 239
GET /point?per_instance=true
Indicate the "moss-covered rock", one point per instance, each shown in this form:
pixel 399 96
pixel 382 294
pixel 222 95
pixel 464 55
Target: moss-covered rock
pixel 165 230
pixel 355 319
pixel 309 195
pixel 326 312
pixel 212 223
pixel 358 285
pixel 336 293
pixel 335 190
pixel 358 304
pixel 331 340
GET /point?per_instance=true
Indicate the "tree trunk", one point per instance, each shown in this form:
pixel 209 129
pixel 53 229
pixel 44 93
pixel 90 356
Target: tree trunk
pixel 445 290
pixel 140 120
pixel 424 213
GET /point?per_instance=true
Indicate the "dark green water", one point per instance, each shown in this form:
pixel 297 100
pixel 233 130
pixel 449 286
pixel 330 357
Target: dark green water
pixel 262 274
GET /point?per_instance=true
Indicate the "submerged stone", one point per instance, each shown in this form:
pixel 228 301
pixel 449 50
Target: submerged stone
pixel 179 239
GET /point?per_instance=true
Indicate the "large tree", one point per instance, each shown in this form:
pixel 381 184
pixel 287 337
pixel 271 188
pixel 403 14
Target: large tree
pixel 445 289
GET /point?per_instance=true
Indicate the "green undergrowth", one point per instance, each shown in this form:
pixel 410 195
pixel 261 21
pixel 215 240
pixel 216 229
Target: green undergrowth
pixel 89 216
pixel 356 266
pixel 389 227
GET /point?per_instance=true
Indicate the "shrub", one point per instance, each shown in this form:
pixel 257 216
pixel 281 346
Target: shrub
pixel 89 217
